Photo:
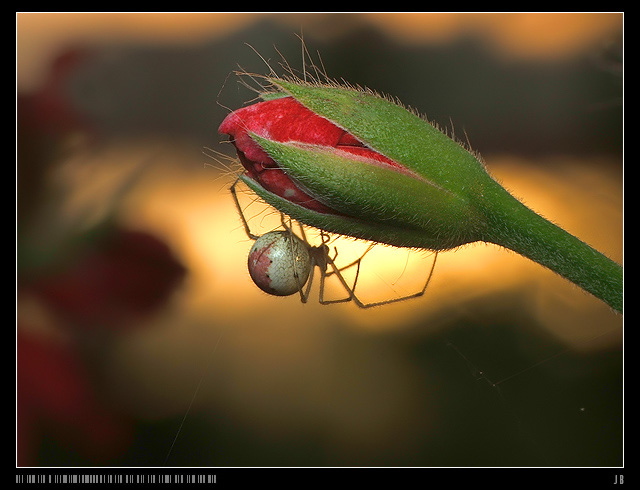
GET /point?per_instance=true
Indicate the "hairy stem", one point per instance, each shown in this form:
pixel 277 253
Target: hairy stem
pixel 513 225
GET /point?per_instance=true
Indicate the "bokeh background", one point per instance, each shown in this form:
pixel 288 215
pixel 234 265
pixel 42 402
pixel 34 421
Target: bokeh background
pixel 141 340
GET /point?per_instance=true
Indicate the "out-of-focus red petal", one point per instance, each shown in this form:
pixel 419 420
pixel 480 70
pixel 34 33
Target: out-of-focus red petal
pixel 51 110
pixel 55 397
pixel 128 274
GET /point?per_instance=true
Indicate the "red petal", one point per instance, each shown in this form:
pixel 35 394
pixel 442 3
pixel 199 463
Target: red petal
pixel 284 120
pixel 280 120
pixel 279 183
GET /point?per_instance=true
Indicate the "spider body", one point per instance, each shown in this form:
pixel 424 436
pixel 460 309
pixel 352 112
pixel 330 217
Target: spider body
pixel 282 263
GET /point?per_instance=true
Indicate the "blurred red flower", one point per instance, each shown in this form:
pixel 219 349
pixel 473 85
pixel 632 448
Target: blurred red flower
pixel 105 289
pixel 51 110
pixel 55 398
pixel 125 275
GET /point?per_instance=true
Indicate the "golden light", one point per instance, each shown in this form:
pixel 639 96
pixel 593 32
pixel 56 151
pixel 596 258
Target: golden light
pixel 41 35
pixel 518 34
pixel 220 313
pixel 194 211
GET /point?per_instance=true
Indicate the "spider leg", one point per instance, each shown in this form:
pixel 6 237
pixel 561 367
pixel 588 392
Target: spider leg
pixel 302 233
pixel 289 228
pixel 284 225
pixel 322 301
pixel 304 292
pixel 338 270
pixel 355 262
pixel 357 301
pixel 239 208
pixel 305 296
pixel 335 271
pixel 403 298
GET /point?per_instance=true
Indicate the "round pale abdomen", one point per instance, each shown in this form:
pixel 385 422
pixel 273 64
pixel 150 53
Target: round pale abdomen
pixel 274 261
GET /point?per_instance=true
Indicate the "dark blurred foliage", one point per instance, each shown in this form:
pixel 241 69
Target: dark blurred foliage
pixel 527 106
pixel 487 421
pixel 44 122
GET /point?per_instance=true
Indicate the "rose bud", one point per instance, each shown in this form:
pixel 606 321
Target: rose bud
pixel 357 164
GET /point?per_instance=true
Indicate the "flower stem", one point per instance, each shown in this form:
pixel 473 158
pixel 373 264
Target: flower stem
pixel 513 225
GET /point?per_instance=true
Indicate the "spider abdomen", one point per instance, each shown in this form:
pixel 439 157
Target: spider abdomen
pixel 279 263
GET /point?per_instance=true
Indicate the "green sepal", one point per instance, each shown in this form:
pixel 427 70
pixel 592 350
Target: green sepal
pixel 339 224
pixel 377 194
pixel 272 95
pixel 395 132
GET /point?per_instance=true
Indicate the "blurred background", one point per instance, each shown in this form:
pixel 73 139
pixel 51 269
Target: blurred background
pixel 141 340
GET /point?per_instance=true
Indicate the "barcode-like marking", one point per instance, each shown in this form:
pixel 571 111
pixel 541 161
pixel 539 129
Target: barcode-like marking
pixel 117 478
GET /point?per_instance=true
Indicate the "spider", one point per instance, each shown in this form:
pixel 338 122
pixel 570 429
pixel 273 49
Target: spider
pixel 282 263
